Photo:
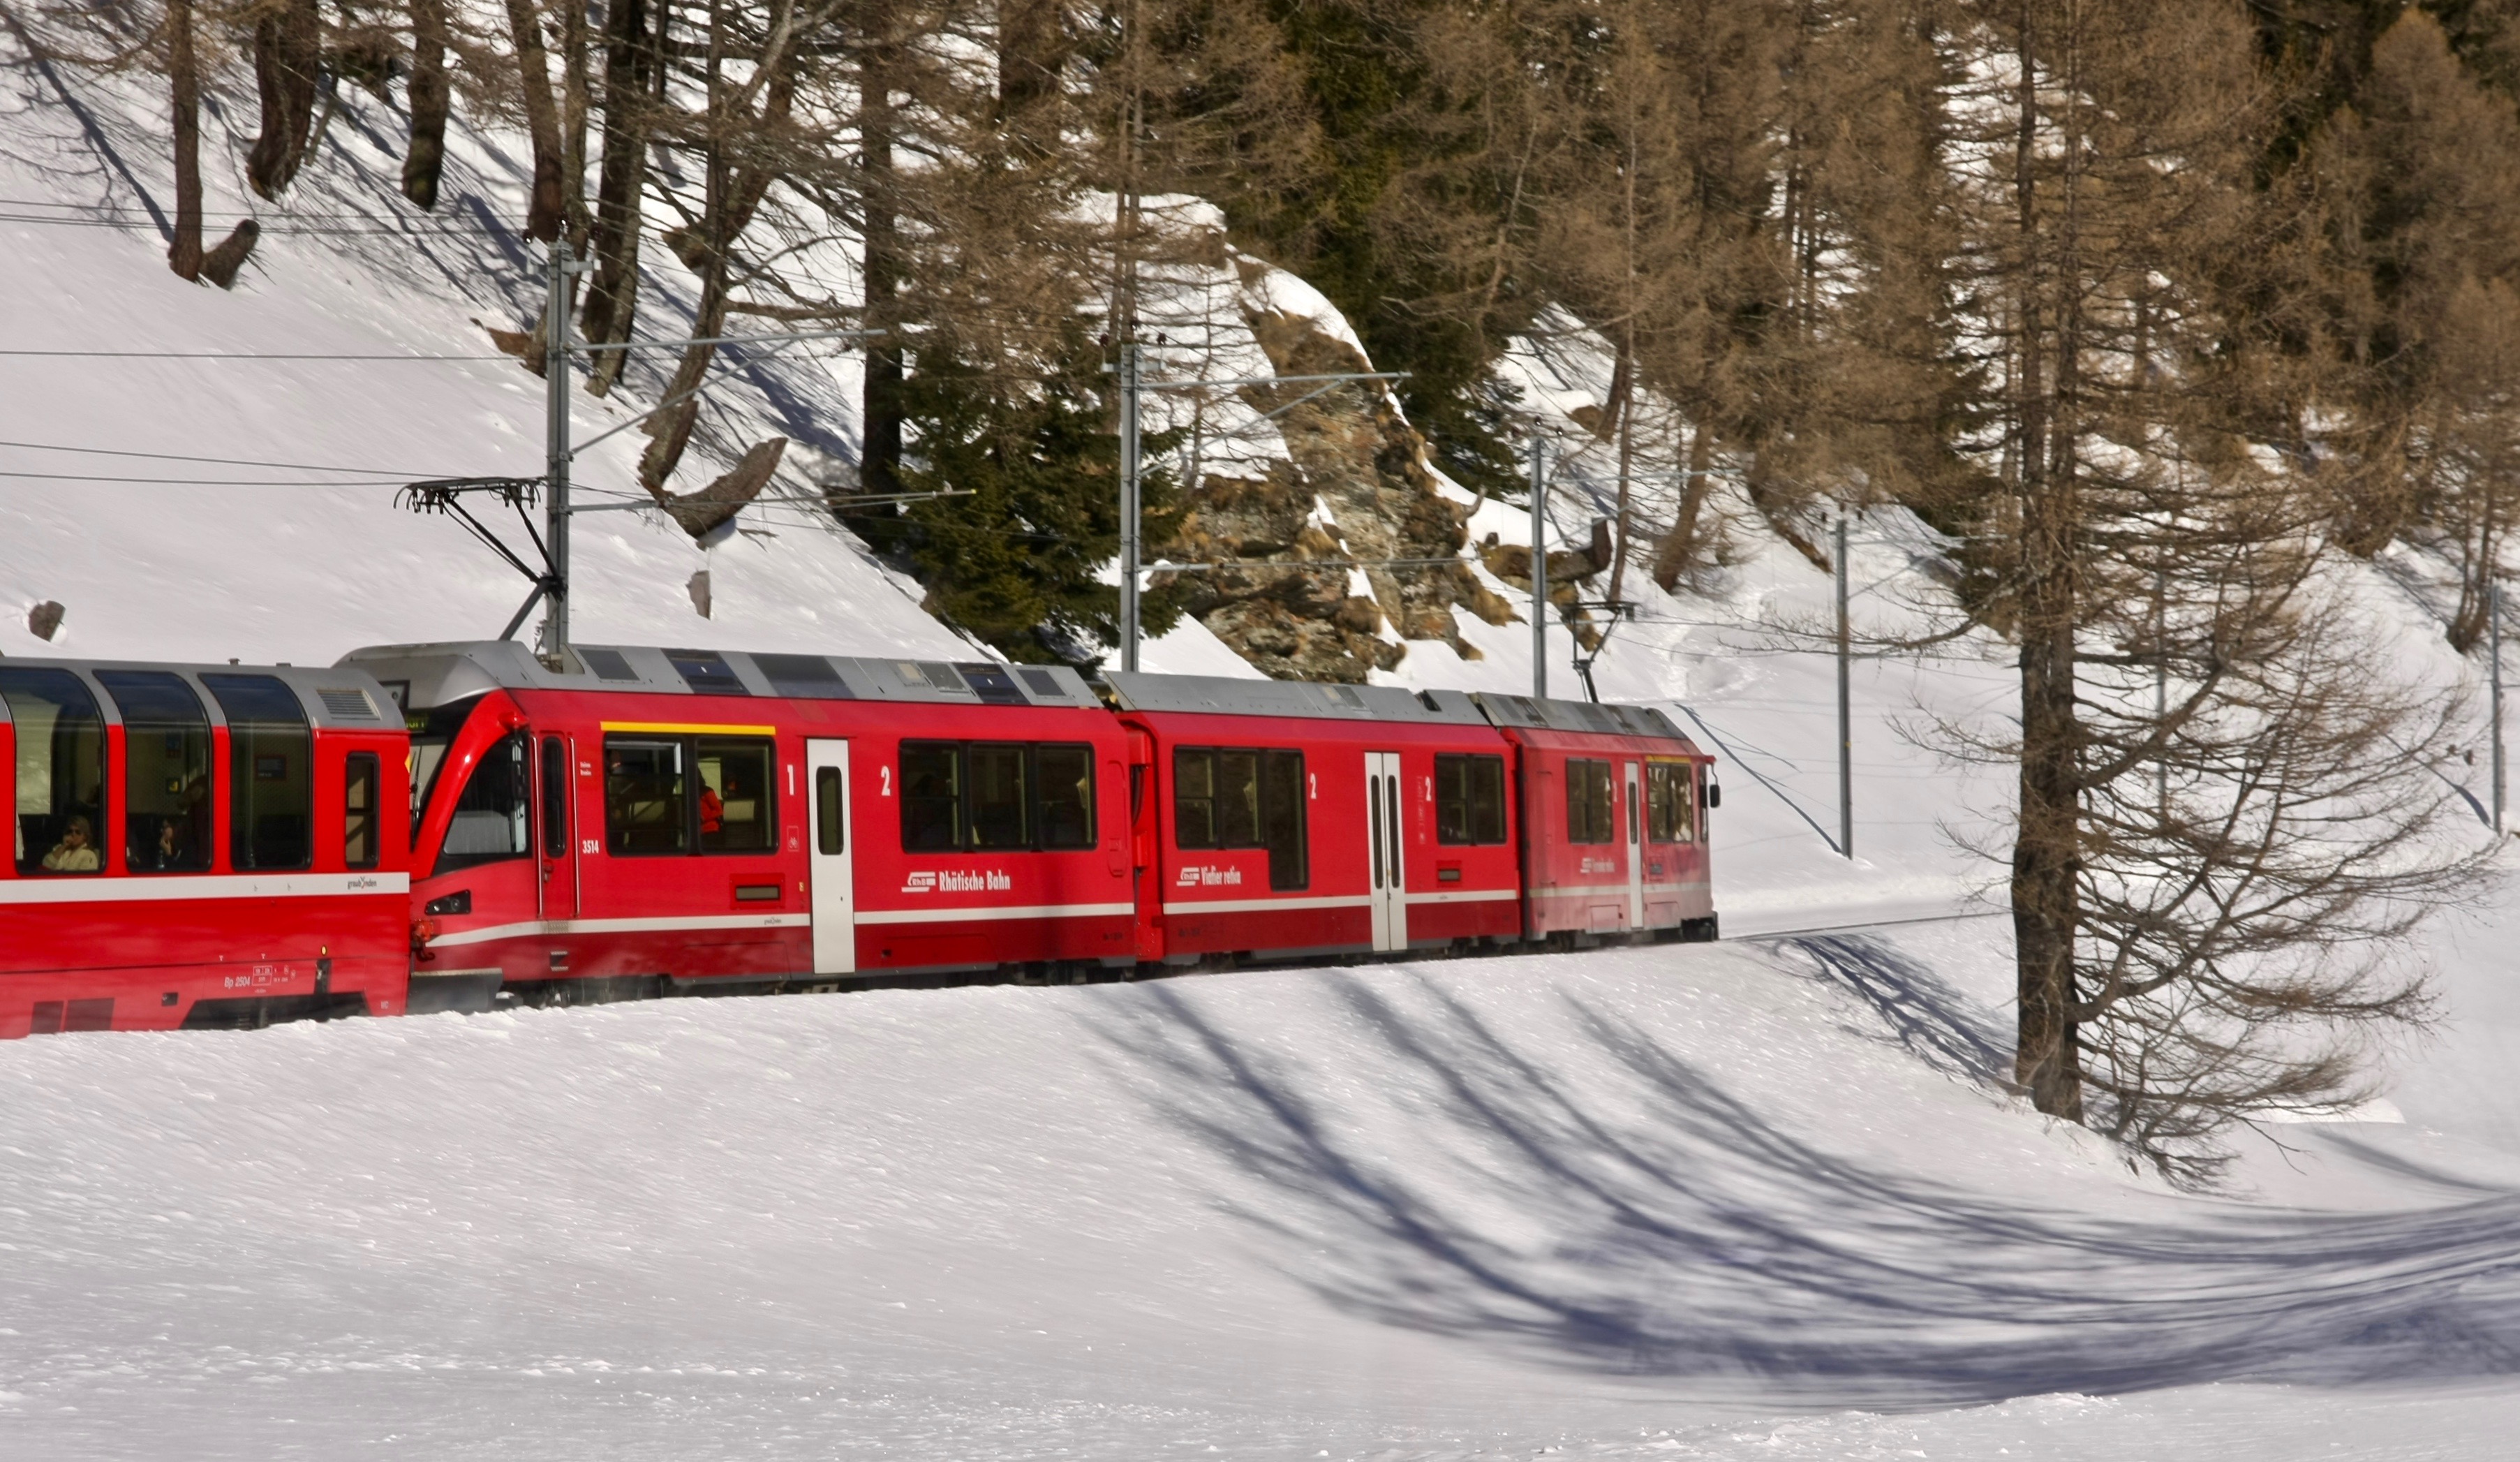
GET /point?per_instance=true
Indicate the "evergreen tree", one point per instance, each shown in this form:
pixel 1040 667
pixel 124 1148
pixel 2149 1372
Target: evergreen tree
pixel 1015 557
pixel 1418 164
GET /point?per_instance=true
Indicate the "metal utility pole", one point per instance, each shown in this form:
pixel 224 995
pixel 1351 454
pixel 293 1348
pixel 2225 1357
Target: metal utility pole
pixel 1845 716
pixel 2494 648
pixel 1129 512
pixel 1539 567
pixel 557 274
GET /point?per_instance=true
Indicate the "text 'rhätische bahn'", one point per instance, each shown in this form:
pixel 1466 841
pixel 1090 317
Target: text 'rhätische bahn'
pixel 436 827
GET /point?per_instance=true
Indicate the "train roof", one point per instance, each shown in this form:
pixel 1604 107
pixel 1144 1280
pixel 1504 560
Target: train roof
pixel 1535 714
pixel 334 697
pixel 1220 695
pixel 420 676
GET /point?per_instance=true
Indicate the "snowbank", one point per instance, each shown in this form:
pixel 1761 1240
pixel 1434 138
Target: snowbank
pixel 1471 1208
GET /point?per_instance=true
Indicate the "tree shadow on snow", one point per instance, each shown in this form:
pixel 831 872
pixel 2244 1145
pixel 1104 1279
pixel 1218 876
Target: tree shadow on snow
pixel 1921 1011
pixel 1656 1225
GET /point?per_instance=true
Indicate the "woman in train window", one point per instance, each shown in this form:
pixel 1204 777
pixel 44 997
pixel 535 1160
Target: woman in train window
pixel 77 851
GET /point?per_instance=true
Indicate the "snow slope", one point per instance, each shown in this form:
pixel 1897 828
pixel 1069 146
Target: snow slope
pixel 303 562
pixel 1698 1202
pixel 1758 1200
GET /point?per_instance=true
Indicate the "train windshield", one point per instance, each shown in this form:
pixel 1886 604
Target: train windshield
pixel 433 731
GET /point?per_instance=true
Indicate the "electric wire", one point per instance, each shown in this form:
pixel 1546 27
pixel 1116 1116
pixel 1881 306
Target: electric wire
pixel 52 446
pixel 231 356
pixel 80 477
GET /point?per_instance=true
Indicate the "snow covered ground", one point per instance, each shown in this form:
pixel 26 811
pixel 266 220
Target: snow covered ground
pixel 1759 1199
pixel 1745 1200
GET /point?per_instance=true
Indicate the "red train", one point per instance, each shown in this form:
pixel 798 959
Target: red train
pixel 215 846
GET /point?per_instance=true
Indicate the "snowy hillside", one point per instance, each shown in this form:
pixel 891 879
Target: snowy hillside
pixel 113 506
pixel 1767 1199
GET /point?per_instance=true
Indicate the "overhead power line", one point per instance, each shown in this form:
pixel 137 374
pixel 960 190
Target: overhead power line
pixel 83 476
pixel 85 451
pixel 230 355
pixel 429 226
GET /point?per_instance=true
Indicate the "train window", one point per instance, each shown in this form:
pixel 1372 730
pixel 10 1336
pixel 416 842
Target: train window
pixel 1066 777
pixel 1282 820
pixel 557 837
pixel 830 822
pixel 1587 801
pixel 1000 802
pixel 491 821
pixel 433 731
pixel 646 797
pixel 996 797
pixel 1470 799
pixel 1668 813
pixel 1194 797
pixel 271 784
pixel 165 771
pixel 736 814
pixel 931 796
pixel 1237 797
pixel 60 821
pixel 362 820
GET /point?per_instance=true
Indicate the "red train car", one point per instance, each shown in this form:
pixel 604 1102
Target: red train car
pixel 198 845
pixel 1614 802
pixel 1284 820
pixel 649 820
pixel 208 845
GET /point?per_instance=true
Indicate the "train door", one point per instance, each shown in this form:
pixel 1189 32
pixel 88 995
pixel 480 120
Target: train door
pixel 1635 846
pixel 1390 898
pixel 554 770
pixel 833 875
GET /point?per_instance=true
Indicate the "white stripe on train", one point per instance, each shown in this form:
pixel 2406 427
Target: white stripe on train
pixel 166 888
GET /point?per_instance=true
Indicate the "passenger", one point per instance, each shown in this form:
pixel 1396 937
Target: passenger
pixel 712 810
pixel 77 851
pixel 173 849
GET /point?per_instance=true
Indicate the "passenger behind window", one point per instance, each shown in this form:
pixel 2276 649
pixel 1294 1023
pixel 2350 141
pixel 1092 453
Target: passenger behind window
pixel 734 801
pixel 169 848
pixel 77 851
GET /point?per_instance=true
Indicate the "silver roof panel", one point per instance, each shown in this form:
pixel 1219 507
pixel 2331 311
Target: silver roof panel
pixel 438 674
pixel 335 698
pixel 1218 695
pixel 1536 714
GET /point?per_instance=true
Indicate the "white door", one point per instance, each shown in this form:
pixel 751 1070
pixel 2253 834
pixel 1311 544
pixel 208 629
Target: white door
pixel 836 920
pixel 1636 849
pixel 1383 827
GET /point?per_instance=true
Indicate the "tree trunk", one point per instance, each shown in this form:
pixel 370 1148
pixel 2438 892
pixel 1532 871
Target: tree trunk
pixel 880 406
pixel 183 69
pixel 1623 403
pixel 288 53
pixel 573 123
pixel 1031 52
pixel 734 192
pixel 2046 863
pixel 544 213
pixel 1679 546
pixel 427 158
pixel 611 296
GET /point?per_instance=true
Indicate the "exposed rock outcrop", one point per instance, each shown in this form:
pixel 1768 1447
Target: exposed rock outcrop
pixel 1357 502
